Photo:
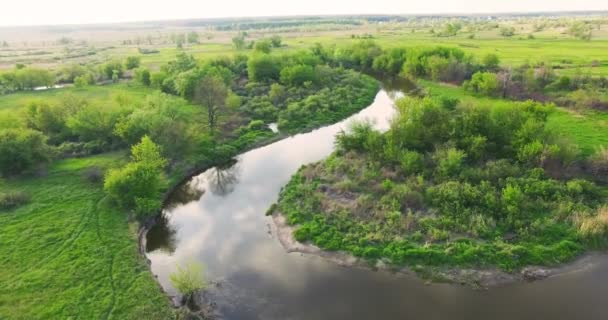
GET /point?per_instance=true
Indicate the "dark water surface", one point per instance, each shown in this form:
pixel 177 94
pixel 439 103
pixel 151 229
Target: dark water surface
pixel 217 218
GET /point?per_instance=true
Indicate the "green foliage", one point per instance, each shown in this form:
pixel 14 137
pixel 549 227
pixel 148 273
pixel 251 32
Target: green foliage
pixel 113 69
pixel 484 83
pixel 444 186
pixel 25 79
pixel 138 185
pixel 142 76
pixel 188 279
pixel 263 68
pixel 507 32
pixel 491 61
pixel 263 46
pixel 21 150
pixel 83 261
pixel 132 62
pixel 297 75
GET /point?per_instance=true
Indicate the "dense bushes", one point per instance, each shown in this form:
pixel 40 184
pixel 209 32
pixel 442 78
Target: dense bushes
pixel 138 185
pixel 21 150
pixel 25 79
pixel 449 184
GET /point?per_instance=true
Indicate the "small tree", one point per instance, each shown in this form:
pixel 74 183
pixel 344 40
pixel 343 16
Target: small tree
pixel 263 46
pixel 212 93
pixel 138 184
pixel 239 42
pixel 132 62
pixel 142 75
pixel 193 37
pixel 491 61
pixel 22 149
pixel 276 41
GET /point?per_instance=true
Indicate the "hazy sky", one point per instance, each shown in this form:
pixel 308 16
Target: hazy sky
pixel 37 12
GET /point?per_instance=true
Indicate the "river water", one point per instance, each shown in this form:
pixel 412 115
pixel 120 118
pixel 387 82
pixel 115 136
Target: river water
pixel 218 218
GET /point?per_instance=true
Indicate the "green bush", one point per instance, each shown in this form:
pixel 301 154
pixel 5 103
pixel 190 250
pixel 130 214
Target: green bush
pixel 138 185
pixel 21 150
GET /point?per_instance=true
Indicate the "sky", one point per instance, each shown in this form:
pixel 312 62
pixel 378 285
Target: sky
pixel 51 12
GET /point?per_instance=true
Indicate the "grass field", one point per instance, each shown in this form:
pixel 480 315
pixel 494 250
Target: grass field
pixel 588 130
pixel 68 255
pixel 105 93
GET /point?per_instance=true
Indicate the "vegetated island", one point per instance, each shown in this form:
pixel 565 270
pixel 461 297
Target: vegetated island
pixel 458 192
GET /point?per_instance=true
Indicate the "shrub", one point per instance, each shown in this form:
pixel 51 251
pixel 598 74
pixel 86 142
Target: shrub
pixel 188 279
pixel 132 62
pixel 599 163
pixel 595 227
pixel 10 200
pixel 21 150
pixel 485 83
pixel 138 184
pixel 449 161
pixel 491 62
pixel 411 162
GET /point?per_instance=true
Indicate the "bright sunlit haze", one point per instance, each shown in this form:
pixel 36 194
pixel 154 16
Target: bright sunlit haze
pixel 38 12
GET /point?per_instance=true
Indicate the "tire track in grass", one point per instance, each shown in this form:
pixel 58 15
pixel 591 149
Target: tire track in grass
pixel 108 312
pixel 74 235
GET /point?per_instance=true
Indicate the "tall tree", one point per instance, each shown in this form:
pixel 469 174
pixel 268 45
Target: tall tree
pixel 212 93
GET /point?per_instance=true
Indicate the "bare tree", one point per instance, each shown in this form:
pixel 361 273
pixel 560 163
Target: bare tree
pixel 211 93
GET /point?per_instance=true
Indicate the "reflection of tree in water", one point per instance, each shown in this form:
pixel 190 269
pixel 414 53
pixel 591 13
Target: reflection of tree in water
pixel 186 193
pixel 162 236
pixel 223 179
pixel 397 86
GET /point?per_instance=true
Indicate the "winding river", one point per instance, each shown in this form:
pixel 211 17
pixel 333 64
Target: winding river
pixel 218 218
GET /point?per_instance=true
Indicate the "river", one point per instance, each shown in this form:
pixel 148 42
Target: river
pixel 218 218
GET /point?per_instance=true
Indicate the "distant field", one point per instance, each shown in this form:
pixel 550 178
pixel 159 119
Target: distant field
pixel 552 45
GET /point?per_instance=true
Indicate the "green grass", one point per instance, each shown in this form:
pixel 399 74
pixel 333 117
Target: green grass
pixel 11 102
pixel 68 255
pixel 589 130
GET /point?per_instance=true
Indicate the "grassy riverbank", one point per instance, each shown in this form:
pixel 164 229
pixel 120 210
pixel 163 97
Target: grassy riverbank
pixel 473 184
pixel 69 254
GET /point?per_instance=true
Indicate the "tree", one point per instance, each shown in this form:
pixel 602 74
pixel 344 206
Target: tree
pixel 138 185
pixel 212 93
pixel 276 41
pixel 21 150
pixel 485 83
pixel 188 279
pixel 507 31
pixel 142 75
pixel 297 75
pixel 113 68
pixel 239 42
pixel 580 30
pixel 263 46
pixel 263 67
pixel 132 62
pixel 193 37
pixel 491 61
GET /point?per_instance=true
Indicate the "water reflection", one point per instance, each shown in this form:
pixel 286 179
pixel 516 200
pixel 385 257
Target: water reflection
pixel 223 179
pixel 162 237
pixel 226 230
pixel 187 192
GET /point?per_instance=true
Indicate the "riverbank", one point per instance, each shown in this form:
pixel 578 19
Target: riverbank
pixel 474 278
